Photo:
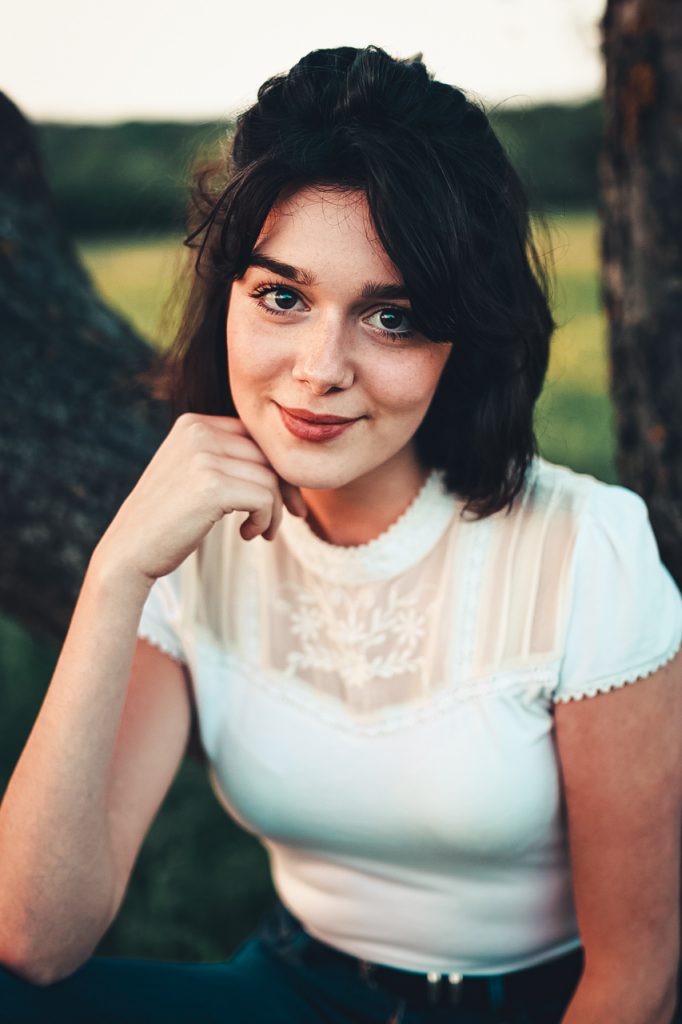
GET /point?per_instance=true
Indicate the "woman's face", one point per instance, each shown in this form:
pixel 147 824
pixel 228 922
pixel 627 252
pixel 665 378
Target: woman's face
pixel 312 340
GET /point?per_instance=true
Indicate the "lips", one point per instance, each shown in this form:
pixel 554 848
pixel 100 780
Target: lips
pixel 311 417
pixel 319 429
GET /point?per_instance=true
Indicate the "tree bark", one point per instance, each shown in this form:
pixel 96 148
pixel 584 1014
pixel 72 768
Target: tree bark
pixel 76 426
pixel 79 420
pixel 640 170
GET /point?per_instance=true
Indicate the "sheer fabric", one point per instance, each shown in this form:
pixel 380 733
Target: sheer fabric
pixel 380 716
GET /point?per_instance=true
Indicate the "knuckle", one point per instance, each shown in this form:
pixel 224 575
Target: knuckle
pixel 197 432
pixel 205 470
pixel 202 459
pixel 211 485
pixel 185 419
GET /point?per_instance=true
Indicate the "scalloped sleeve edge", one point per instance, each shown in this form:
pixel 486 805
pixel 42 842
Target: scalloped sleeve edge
pixel 160 617
pixel 151 633
pixel 617 680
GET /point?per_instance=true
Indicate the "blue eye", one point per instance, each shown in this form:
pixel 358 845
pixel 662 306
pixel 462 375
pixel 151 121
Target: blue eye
pixel 265 289
pixel 392 313
pixel 397 313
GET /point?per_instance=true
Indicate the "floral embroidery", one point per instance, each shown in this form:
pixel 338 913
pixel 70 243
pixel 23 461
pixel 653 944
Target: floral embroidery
pixel 347 633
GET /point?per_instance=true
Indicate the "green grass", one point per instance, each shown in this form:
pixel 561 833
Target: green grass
pixel 137 278
pixel 201 881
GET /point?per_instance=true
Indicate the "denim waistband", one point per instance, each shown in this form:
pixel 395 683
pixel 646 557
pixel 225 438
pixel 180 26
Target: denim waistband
pixel 554 980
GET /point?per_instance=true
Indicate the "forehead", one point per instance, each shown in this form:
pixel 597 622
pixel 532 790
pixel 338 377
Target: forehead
pixel 322 225
pixel 332 204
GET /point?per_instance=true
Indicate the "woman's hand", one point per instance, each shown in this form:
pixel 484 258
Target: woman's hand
pixel 205 468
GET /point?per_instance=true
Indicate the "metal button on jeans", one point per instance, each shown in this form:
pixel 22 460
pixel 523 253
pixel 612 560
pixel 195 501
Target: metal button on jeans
pixel 434 979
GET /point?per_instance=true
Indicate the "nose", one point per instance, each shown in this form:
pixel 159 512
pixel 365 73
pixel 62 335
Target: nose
pixel 323 359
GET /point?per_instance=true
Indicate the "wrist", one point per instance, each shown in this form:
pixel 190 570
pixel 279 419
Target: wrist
pixel 108 571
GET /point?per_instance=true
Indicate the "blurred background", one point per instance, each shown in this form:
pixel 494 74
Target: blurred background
pixel 125 100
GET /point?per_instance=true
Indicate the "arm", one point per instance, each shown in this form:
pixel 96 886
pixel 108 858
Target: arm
pixel 82 792
pixel 621 760
pixel 92 774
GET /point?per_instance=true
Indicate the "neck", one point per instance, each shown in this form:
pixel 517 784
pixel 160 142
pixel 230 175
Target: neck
pixel 365 507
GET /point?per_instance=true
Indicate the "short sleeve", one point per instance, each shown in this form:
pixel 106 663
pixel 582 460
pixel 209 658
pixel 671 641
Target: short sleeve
pixel 624 618
pixel 160 619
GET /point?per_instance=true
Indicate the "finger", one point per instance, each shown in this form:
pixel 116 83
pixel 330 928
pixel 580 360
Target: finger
pixel 238 446
pixel 260 501
pixel 293 499
pixel 252 528
pixel 232 424
pixel 263 516
pixel 245 469
pixel 272 529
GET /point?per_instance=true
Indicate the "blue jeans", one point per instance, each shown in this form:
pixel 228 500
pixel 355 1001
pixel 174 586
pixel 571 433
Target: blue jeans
pixel 269 979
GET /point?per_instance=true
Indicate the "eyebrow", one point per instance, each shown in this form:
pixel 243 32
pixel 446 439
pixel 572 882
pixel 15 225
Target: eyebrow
pixel 369 290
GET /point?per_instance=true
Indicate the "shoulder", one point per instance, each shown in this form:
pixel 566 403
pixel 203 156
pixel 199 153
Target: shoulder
pixel 621 608
pixel 585 509
pixel 611 528
pixel 556 486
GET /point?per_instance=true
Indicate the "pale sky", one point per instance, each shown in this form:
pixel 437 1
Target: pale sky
pixel 82 60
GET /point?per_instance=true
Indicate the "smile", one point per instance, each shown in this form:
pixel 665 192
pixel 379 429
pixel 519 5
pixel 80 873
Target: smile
pixel 307 430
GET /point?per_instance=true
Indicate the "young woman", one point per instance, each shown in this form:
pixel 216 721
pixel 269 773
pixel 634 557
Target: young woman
pixel 410 639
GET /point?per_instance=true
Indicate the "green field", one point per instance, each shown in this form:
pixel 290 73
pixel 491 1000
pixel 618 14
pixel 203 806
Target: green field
pixel 200 881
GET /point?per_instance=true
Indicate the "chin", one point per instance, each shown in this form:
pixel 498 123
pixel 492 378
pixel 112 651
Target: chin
pixel 317 471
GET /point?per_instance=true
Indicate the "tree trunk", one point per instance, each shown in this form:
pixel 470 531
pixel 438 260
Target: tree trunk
pixel 76 429
pixel 640 172
pixel 78 421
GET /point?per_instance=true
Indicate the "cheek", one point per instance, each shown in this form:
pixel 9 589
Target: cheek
pixel 407 385
pixel 249 359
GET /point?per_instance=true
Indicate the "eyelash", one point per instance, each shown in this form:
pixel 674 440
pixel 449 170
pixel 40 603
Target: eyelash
pixel 270 286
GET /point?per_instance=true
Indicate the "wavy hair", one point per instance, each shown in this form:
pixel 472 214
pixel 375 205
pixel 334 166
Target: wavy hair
pixel 450 212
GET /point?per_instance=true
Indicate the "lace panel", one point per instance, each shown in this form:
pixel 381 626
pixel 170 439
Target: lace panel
pixel 531 686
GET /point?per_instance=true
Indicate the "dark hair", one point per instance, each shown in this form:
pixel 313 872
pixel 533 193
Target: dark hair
pixel 450 212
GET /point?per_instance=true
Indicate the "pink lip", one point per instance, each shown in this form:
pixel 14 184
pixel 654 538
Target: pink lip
pixel 313 417
pixel 313 430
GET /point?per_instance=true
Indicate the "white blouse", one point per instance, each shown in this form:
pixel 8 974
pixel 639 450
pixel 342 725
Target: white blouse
pixel 381 716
